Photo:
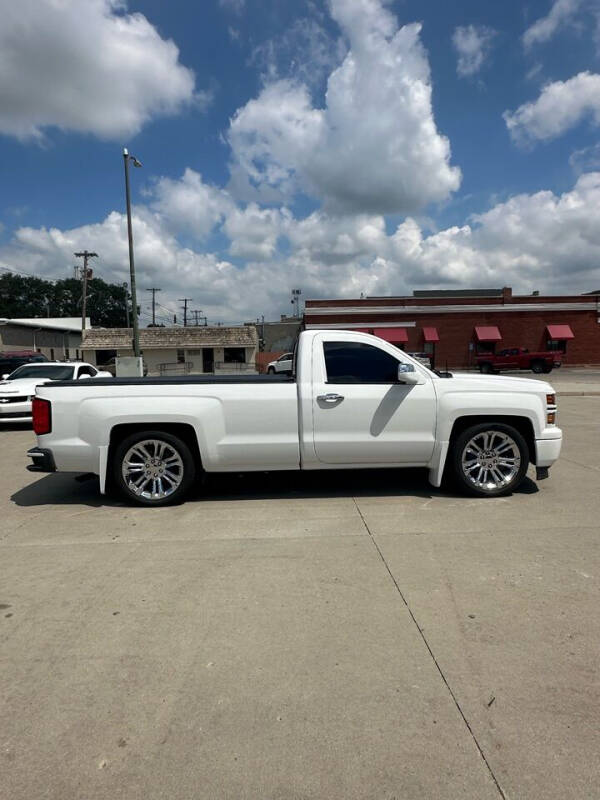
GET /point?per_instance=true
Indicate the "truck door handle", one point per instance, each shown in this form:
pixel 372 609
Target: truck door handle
pixel 330 398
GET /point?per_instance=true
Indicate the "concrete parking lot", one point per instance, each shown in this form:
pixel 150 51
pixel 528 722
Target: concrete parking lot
pixel 334 635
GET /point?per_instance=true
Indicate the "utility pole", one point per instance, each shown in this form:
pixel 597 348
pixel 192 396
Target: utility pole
pixel 85 274
pixel 185 301
pixel 154 290
pixel 197 313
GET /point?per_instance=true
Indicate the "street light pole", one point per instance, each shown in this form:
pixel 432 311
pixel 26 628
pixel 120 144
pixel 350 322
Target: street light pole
pixel 136 332
pixel 126 287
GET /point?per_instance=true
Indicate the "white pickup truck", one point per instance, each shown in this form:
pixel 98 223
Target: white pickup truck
pixel 352 401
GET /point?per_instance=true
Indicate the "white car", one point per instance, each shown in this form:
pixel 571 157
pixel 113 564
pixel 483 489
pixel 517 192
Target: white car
pixel 17 388
pixel 281 364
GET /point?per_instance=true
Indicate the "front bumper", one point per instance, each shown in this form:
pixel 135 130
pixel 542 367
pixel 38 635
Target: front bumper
pixel 15 411
pixel 42 460
pixel 548 450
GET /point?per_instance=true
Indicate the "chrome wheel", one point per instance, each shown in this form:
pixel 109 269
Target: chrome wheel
pixel 491 460
pixel 152 469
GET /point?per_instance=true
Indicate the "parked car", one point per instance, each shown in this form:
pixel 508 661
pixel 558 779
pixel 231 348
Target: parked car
pixel 281 364
pixel 111 366
pixel 355 402
pixel 18 388
pixel 10 361
pixel 422 358
pixel 519 358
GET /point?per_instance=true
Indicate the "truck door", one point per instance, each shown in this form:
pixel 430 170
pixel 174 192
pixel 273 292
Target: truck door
pixel 361 413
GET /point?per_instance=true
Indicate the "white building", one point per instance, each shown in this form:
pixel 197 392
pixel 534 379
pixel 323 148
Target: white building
pixel 169 351
pixel 57 338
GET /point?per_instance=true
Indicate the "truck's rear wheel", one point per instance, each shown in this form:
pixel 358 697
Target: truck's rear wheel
pixel 486 368
pixel 153 468
pixel 489 460
pixel 537 367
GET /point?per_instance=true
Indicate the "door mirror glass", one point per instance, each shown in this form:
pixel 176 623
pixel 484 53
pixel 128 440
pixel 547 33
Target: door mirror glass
pixel 4 377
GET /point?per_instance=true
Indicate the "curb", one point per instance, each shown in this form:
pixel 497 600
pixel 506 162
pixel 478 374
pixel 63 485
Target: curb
pixel 578 394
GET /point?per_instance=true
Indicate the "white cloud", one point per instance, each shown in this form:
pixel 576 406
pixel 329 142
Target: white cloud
pixel 191 205
pixel 472 44
pixel 560 106
pixel 237 6
pixel 374 147
pixel 544 28
pixel 306 52
pixel 86 66
pixel 539 241
pixel 587 159
pixel 254 231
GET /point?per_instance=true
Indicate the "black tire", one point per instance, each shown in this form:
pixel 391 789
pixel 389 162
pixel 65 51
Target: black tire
pixel 486 368
pixel 184 470
pixel 458 451
pixel 537 367
pixel 271 370
pixel 547 369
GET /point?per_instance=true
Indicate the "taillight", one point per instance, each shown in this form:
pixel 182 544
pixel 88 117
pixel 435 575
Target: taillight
pixel 42 416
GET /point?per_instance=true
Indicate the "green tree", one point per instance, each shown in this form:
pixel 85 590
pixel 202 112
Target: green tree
pixel 24 296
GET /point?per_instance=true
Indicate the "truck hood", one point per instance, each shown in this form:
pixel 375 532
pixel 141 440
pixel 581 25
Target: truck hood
pixel 499 383
pixel 21 386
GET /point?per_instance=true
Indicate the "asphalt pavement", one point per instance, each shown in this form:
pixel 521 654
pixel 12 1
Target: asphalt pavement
pixel 294 637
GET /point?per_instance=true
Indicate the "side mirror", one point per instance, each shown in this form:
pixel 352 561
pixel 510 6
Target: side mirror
pixel 5 376
pixel 102 373
pixel 82 377
pixel 408 374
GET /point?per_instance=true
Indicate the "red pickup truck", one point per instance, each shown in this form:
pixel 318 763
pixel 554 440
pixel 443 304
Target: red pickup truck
pixel 518 358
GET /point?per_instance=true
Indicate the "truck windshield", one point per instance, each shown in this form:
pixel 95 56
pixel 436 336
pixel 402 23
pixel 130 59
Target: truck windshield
pixel 58 372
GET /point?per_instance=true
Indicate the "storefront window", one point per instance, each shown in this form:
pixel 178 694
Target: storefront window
pixel 234 355
pixel 557 345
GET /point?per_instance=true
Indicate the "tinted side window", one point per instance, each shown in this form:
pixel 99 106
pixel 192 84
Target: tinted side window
pixel 349 362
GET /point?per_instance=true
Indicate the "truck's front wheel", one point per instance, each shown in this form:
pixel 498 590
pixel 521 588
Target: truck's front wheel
pixel 153 468
pixel 489 460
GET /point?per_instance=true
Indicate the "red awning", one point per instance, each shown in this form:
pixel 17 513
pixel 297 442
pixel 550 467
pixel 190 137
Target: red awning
pixel 560 332
pixel 431 335
pixel 487 333
pixel 392 334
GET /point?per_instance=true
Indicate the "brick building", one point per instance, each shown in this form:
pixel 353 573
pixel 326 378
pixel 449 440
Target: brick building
pixel 453 326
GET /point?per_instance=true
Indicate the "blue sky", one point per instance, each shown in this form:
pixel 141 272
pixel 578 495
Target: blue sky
pixel 344 146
